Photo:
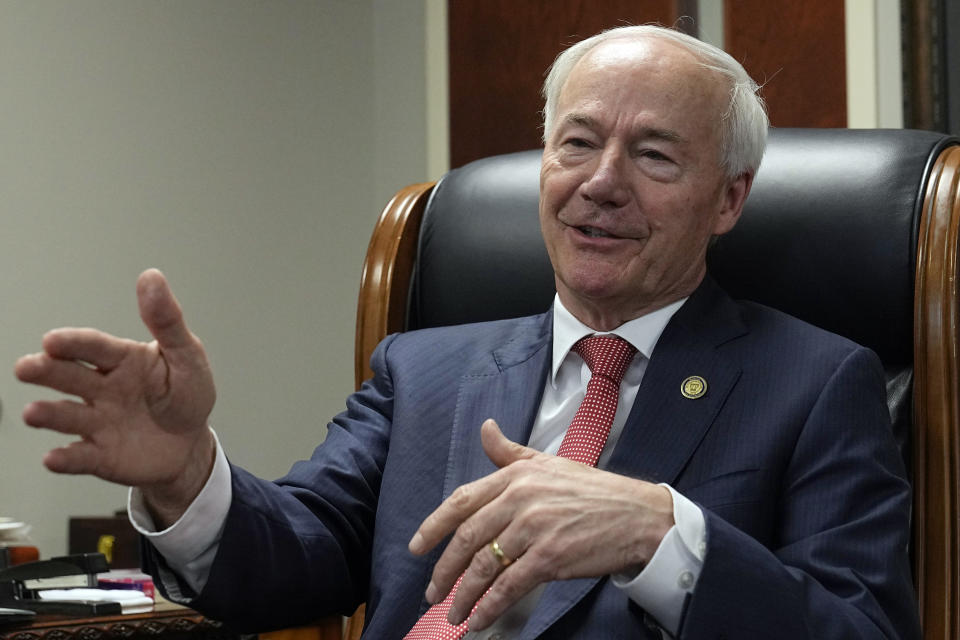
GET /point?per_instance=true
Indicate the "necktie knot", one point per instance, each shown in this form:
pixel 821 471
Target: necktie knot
pixel 607 356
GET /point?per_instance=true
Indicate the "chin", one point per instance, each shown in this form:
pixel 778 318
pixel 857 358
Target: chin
pixel 593 287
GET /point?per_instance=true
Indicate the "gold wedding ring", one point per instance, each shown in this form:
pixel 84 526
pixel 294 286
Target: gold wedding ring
pixel 499 554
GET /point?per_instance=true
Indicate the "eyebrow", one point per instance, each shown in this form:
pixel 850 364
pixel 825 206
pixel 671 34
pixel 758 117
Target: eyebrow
pixel 580 119
pixel 667 135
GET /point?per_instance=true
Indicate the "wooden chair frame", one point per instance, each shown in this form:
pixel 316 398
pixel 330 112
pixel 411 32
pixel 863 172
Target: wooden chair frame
pixel 387 272
pixel 936 468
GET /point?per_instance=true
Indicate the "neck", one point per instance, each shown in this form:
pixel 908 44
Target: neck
pixel 605 317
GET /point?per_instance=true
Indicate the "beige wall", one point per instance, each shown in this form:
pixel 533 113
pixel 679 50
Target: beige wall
pixel 873 63
pixel 243 147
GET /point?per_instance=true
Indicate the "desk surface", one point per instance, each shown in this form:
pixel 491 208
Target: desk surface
pixel 166 622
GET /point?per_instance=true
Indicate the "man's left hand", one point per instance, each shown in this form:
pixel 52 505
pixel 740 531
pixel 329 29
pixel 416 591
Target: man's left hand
pixel 554 519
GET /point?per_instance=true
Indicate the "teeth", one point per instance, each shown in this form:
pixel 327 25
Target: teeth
pixel 594 233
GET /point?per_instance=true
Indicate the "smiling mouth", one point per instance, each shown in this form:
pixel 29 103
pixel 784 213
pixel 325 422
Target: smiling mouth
pixel 593 232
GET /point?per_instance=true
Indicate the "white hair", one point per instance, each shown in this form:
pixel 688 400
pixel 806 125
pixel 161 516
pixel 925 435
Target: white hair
pixel 744 123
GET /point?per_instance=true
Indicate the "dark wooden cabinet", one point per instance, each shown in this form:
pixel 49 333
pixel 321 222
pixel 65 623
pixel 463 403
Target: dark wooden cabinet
pixel 500 49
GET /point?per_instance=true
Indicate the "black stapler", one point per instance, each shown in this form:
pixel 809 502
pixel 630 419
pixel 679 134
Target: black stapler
pixel 20 584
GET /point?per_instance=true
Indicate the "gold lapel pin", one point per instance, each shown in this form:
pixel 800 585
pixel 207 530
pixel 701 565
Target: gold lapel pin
pixel 693 387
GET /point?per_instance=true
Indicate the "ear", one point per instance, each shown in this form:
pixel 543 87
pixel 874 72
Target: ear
pixel 734 196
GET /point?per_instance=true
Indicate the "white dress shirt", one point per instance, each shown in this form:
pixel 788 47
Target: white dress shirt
pixel 661 588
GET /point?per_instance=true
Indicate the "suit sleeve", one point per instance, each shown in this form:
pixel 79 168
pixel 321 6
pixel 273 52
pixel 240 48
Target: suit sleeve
pixel 838 566
pixel 297 549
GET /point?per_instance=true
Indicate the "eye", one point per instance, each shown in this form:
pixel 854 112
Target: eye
pixel 656 164
pixel 653 154
pixel 578 143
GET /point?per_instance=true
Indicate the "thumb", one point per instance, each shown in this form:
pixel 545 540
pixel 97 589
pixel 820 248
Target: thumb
pixel 501 450
pixel 161 312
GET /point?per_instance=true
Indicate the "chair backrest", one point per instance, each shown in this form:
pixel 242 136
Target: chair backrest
pixel 855 231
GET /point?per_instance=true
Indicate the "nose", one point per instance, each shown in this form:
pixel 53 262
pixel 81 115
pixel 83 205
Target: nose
pixel 607 185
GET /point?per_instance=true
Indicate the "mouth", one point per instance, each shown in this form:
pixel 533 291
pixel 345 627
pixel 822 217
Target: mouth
pixel 594 232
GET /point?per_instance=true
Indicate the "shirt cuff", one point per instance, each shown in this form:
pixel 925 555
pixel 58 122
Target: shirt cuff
pixel 190 544
pixel 665 583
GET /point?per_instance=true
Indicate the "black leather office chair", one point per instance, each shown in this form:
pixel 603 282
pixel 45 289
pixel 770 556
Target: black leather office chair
pixel 852 230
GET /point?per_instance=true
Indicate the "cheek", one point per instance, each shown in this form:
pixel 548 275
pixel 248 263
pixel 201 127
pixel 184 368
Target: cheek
pixel 682 217
pixel 558 185
pixel 550 231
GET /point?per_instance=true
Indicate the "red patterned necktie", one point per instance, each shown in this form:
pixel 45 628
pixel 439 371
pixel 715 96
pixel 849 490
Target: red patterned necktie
pixel 608 358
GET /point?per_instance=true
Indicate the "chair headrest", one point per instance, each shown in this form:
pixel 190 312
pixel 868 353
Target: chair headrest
pixel 481 255
pixel 828 234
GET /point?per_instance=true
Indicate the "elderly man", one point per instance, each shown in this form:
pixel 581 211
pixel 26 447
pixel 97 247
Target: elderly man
pixel 643 503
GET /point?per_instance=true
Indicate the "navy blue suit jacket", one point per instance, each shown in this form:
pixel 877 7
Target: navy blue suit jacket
pixel 789 454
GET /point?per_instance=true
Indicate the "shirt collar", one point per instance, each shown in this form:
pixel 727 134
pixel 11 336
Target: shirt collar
pixel 642 332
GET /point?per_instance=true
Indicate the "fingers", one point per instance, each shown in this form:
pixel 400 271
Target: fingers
pixel 76 458
pixel 470 549
pixel 63 352
pixel 61 375
pixel 452 512
pixel 495 586
pixel 64 416
pixel 189 370
pixel 97 348
pixel 464 501
pixel 161 312
pixel 499 448
pixel 467 499
pixel 471 511
pixel 508 589
pixel 555 518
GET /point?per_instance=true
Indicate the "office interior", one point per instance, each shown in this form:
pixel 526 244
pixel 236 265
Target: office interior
pixel 245 148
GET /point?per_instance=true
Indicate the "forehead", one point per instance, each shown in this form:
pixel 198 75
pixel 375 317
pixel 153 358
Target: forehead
pixel 644 79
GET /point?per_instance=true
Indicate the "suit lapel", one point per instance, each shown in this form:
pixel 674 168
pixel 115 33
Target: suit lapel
pixel 507 388
pixel 664 428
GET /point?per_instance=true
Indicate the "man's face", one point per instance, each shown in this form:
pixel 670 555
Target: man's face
pixel 631 188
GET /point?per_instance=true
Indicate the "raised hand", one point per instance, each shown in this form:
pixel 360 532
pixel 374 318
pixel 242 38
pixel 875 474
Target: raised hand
pixel 142 412
pixel 553 519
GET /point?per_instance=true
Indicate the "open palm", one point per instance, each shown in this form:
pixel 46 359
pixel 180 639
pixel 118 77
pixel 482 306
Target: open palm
pixel 142 412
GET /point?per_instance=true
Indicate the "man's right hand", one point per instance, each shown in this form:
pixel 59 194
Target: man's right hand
pixel 143 416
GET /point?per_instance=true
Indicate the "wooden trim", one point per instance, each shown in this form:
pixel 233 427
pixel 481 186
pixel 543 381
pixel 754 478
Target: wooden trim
pixel 329 629
pixel 937 404
pixel 384 288
pixel 923 51
pixel 354 624
pixel 165 622
pixel 385 283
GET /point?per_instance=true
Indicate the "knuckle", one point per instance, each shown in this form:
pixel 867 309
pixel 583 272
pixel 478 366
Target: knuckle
pixel 468 537
pixel 482 565
pixel 528 474
pixel 461 497
pixel 524 467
